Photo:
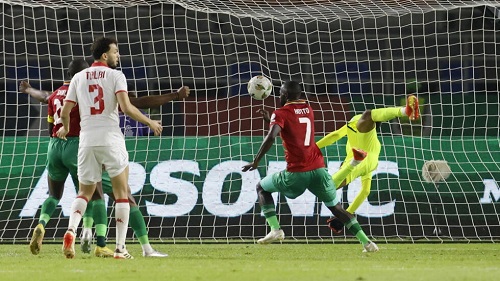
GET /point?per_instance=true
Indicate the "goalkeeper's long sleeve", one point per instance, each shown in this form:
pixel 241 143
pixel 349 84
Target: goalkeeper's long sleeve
pixel 332 137
pixel 366 184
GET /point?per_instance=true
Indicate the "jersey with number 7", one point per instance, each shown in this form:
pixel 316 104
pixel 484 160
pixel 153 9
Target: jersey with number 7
pixel 296 120
pixel 94 90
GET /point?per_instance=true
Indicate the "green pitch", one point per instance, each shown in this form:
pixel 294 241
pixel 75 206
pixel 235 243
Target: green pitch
pixel 256 262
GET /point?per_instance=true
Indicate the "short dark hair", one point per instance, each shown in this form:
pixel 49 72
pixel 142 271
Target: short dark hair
pixel 76 66
pixel 292 89
pixel 101 46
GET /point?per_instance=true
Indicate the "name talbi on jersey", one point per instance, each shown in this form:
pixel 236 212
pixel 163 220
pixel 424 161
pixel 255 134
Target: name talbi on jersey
pixel 95 74
pixel 301 111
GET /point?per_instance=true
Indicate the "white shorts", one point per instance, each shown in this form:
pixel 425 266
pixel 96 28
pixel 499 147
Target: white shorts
pixel 92 160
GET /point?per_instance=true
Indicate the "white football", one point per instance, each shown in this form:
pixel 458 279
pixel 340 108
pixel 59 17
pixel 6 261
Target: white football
pixel 259 87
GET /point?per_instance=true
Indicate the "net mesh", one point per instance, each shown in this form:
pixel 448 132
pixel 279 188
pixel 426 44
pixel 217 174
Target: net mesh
pixel 350 56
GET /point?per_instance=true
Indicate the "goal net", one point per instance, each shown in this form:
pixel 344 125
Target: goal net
pixel 437 177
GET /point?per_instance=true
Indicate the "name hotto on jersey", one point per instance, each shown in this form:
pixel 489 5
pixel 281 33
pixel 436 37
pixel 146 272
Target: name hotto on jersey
pixel 301 110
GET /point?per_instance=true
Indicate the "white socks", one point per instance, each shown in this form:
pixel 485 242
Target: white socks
pixel 77 210
pixel 122 214
pixel 403 110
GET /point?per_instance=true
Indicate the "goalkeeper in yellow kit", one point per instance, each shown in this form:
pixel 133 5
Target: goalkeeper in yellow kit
pixel 361 133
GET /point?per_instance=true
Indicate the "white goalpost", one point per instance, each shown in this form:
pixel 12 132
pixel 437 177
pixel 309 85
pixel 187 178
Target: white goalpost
pixel 350 56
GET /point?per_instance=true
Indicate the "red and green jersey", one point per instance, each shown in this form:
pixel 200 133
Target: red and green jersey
pixel 56 100
pixel 296 120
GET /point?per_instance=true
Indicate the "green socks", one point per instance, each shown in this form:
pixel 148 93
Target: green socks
pixel 355 229
pixel 100 215
pixel 88 220
pixel 48 207
pixel 136 221
pixel 270 215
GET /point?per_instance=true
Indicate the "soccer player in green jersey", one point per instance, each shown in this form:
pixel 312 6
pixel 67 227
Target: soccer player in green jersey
pixel 294 122
pixel 361 133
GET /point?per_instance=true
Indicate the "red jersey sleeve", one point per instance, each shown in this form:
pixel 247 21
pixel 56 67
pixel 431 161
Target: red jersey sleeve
pixel 278 119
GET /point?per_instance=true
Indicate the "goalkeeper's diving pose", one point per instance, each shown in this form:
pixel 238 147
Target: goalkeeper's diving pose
pixel 361 133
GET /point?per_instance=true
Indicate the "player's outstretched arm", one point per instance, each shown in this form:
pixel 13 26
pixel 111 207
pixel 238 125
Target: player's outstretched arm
pixel 264 148
pixel 366 184
pixel 132 111
pixel 39 95
pixel 159 100
pixel 332 137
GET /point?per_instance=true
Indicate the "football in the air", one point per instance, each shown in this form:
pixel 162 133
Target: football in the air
pixel 259 87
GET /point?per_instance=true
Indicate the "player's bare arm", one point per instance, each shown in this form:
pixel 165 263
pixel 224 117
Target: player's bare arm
pixel 39 95
pixel 65 111
pixel 132 111
pixel 264 148
pixel 265 115
pixel 159 100
pixel 50 128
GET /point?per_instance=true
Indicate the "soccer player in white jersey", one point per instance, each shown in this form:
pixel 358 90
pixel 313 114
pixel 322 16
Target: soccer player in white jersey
pixel 99 90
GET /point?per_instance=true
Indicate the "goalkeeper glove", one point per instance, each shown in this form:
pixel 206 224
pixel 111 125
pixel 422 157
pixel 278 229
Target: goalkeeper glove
pixel 335 225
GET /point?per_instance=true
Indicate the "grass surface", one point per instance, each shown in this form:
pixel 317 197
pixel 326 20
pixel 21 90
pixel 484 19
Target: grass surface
pixel 257 262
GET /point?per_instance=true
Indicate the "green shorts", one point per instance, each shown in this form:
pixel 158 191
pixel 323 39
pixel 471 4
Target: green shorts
pixel 62 159
pixel 293 184
pixel 107 188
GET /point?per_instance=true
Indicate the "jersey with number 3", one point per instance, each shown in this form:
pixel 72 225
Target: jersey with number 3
pixel 94 90
pixel 56 101
pixel 296 120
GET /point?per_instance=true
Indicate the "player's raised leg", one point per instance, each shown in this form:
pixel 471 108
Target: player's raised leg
pixel 412 110
pixel 368 119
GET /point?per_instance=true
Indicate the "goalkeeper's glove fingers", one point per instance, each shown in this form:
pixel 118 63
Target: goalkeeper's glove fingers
pixel 335 225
